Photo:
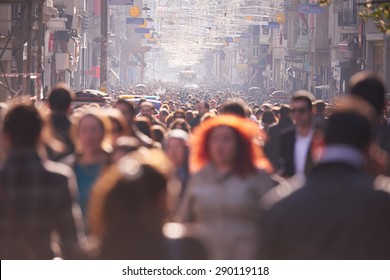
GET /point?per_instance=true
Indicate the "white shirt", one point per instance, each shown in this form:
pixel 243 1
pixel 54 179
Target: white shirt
pixel 301 148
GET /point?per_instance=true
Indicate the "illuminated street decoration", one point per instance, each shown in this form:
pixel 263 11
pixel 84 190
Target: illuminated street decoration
pixel 189 29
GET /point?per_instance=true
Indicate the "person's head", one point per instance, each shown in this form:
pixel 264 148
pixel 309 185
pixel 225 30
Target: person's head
pixel 127 109
pixel 171 105
pixel 302 107
pixel 130 198
pixel 266 107
pixel 163 115
pixel 164 106
pixel 123 146
pixel 60 98
pixel 233 108
pixel 228 140
pixel 179 114
pixel 320 107
pixel 158 132
pixel 207 116
pixel 213 104
pixel 351 124
pixel 189 116
pixel 180 124
pixel 176 147
pixel 258 114
pixel 22 126
pixel 369 87
pixel 147 109
pixel 144 125
pixel 119 126
pixel 202 107
pixel 268 118
pixel 92 133
pixel 285 111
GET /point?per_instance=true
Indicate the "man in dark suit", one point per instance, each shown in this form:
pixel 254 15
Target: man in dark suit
pixel 295 141
pixel 272 146
pixel 338 213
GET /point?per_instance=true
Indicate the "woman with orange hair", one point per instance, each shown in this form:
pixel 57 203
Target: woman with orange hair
pixel 231 174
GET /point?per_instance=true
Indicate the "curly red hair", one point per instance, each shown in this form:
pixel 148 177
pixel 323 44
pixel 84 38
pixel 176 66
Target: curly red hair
pixel 251 156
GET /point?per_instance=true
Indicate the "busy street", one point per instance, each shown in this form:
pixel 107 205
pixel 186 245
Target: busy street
pixel 194 130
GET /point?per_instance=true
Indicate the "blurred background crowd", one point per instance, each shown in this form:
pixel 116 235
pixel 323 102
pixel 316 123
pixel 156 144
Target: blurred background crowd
pixel 205 174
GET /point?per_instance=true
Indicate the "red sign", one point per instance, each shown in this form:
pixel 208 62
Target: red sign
pixel 95 71
pixel 51 43
pixel 97 68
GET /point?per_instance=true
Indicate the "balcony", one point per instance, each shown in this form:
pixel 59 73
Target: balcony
pixel 347 17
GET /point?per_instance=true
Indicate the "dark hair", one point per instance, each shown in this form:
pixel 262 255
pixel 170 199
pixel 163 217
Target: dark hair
pixel 369 87
pixel 164 110
pixel 268 117
pixel 130 106
pixel 320 106
pixel 145 126
pixel 258 111
pixel 284 111
pixel 23 125
pixel 303 95
pixel 158 132
pixel 206 105
pixel 60 98
pixel 349 128
pixel 233 108
pixel 276 110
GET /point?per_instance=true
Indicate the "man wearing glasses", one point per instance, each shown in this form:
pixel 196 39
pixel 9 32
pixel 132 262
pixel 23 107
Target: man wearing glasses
pixel 296 141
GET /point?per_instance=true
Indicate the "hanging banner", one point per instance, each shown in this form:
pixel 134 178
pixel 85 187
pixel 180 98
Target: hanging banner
pixel 121 2
pixel 142 30
pixel 309 9
pixel 135 21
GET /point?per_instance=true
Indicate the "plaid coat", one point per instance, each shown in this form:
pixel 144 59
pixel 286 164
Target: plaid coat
pixel 37 199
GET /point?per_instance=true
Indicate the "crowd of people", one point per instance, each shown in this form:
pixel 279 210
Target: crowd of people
pixel 211 174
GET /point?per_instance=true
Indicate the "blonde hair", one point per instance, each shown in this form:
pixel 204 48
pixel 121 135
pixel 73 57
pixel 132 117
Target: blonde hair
pixel 120 171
